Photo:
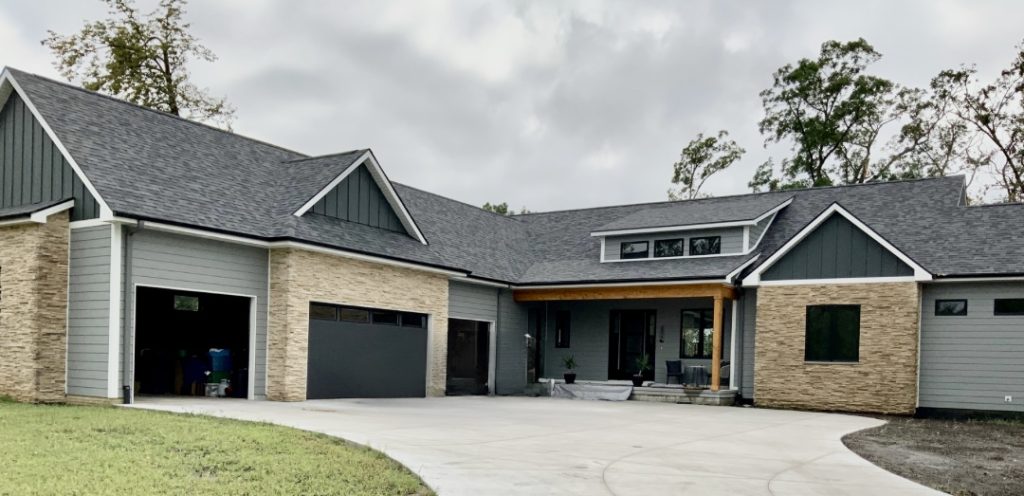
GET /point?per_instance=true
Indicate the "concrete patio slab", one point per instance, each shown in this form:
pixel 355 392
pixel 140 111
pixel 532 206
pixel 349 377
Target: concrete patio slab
pixel 542 446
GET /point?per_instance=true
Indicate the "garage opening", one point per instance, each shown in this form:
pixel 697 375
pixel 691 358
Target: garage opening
pixel 191 343
pixel 357 352
pixel 468 356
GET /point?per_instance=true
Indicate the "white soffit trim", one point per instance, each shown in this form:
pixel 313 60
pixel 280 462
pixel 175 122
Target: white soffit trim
pixel 920 274
pixel 849 280
pixel 695 227
pixel 390 194
pixel 479 282
pixel 732 275
pixel 7 78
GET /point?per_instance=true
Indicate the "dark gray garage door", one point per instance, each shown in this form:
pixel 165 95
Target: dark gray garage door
pixel 365 353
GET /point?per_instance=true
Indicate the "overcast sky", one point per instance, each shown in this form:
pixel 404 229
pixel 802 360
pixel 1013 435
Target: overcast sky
pixel 546 104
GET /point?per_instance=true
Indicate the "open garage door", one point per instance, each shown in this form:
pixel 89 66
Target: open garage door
pixel 365 353
pixel 191 343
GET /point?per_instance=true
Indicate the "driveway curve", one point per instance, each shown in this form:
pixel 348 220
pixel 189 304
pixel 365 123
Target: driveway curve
pixel 542 446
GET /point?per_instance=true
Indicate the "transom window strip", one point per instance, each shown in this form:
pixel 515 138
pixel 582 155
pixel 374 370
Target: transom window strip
pixel 359 315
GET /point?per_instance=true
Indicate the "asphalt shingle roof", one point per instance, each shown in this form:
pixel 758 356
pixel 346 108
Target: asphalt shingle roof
pixel 149 165
pixel 27 210
pixel 713 210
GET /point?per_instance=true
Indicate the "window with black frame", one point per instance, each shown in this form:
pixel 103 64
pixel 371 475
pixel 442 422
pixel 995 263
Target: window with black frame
pixel 696 334
pixel 832 334
pixel 706 245
pixel 950 308
pixel 563 328
pixel 669 247
pixel 1008 306
pixel 634 249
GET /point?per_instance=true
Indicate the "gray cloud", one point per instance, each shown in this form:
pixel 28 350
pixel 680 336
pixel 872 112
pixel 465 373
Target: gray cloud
pixel 543 104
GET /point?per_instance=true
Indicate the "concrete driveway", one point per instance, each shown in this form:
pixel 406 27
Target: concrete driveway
pixel 537 446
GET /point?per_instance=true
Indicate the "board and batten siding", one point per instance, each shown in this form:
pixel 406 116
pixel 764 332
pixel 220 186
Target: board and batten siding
pixel 32 169
pixel 731 242
pixel 837 249
pixel 974 361
pixel 189 263
pixel 359 199
pixel 89 311
pixel 510 366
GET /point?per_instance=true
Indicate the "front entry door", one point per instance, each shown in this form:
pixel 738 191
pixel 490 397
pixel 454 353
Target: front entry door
pixel 632 335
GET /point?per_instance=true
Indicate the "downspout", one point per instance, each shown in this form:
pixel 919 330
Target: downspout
pixel 128 293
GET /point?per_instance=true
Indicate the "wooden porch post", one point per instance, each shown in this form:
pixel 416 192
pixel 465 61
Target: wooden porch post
pixel 716 347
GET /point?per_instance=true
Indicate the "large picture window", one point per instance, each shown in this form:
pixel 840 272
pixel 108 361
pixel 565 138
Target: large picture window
pixel 563 328
pixel 696 334
pixel 833 333
pixel 634 249
pixel 707 245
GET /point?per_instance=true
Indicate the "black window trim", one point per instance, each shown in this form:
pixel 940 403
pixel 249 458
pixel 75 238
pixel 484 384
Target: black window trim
pixel 681 240
pixel 942 300
pixel 633 256
pixel 706 316
pixel 997 313
pixel 564 339
pixel 826 361
pixel 696 238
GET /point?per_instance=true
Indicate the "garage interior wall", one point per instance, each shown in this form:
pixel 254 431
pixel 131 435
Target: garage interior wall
pixel 166 260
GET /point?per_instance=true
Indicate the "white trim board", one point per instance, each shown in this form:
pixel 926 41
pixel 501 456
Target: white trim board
pixel 114 315
pixel 695 227
pixel 8 78
pixel 754 279
pixel 390 194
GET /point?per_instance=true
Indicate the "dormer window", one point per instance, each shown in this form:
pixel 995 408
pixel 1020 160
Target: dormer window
pixel 669 247
pixel 634 249
pixel 707 245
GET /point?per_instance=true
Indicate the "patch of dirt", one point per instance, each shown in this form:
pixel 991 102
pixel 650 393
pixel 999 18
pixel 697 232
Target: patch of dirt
pixel 960 457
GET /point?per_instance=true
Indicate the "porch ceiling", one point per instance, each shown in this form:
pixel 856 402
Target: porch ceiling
pixel 626 292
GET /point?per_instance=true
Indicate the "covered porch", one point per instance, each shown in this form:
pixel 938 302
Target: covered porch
pixel 685 331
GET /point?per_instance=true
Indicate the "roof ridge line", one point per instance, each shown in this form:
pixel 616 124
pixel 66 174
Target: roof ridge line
pixel 738 195
pixel 470 205
pixel 158 112
pixel 315 157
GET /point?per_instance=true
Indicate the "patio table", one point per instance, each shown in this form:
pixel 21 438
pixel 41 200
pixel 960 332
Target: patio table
pixel 696 374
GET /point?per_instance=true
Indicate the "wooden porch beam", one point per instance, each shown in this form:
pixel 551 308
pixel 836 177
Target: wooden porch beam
pixel 716 346
pixel 718 291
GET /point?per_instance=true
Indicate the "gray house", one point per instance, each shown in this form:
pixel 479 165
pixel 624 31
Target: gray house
pixel 132 243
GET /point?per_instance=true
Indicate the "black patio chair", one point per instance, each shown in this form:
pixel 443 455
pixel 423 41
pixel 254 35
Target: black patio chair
pixel 673 368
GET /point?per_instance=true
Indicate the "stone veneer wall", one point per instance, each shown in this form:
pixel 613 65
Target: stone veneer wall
pixel 885 378
pixel 298 277
pixel 33 309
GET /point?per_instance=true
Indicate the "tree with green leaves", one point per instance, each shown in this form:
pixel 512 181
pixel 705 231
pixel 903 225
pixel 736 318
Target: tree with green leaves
pixel 502 209
pixel 991 121
pixel 701 158
pixel 834 114
pixel 142 58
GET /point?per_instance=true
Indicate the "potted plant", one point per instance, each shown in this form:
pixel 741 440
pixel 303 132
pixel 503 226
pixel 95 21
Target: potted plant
pixel 570 364
pixel 643 364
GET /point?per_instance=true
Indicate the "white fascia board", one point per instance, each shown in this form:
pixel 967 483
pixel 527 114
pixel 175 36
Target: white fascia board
pixel 7 78
pixel 847 280
pixel 954 280
pixel 732 275
pixel 754 279
pixel 682 282
pixel 694 227
pixel 390 194
pixel 42 215
pixel 479 282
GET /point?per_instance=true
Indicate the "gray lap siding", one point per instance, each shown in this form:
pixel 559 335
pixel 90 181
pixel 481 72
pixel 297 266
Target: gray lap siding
pixel 89 312
pixel 973 361
pixel 183 262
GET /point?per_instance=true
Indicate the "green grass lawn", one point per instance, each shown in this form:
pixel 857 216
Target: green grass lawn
pixel 80 450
